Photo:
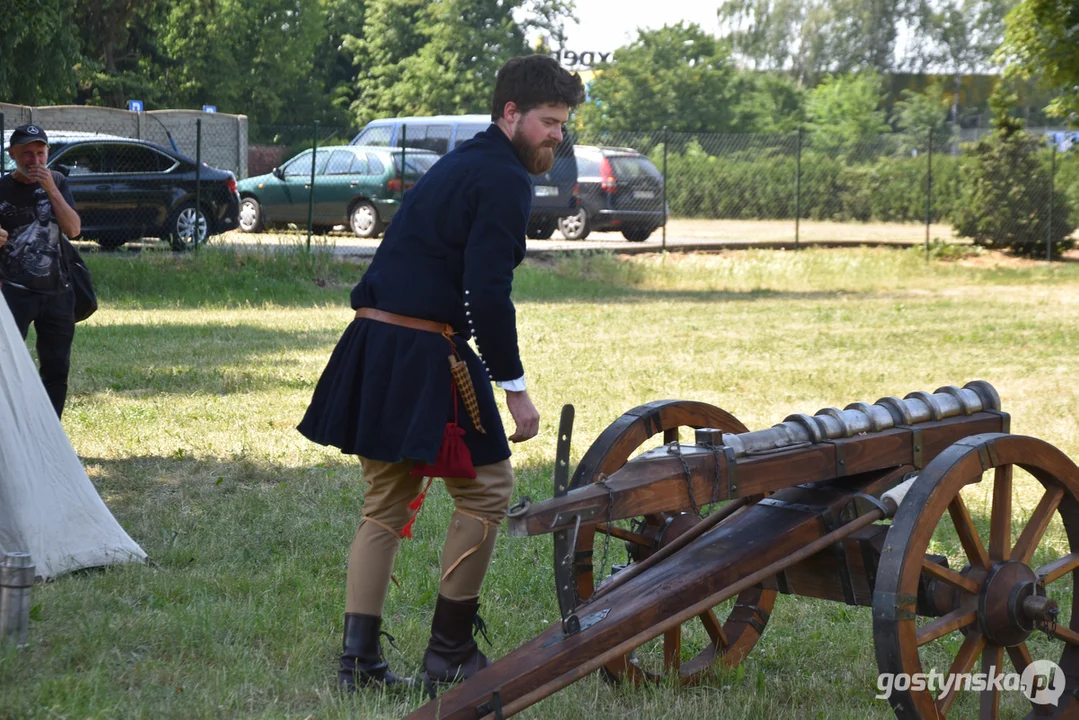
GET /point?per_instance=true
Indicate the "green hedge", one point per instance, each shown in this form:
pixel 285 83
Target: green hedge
pixel 890 189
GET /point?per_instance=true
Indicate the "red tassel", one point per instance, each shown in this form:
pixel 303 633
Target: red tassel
pixel 414 506
pixel 453 459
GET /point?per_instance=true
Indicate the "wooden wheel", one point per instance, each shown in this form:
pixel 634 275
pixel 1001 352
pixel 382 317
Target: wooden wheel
pixel 685 650
pixel 992 599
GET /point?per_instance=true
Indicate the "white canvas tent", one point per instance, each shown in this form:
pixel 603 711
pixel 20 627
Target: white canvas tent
pixel 48 507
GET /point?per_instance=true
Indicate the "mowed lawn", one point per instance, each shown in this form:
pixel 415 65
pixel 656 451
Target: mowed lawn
pixel 187 385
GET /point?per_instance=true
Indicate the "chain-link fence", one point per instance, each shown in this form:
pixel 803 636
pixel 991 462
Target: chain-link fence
pixel 303 182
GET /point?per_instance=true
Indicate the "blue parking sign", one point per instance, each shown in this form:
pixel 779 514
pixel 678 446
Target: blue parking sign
pixel 209 108
pixel 134 105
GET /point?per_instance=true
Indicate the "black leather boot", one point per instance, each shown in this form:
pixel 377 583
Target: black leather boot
pixel 452 655
pixel 362 663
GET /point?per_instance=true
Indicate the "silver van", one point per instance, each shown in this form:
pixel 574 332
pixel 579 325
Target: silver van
pixel 555 193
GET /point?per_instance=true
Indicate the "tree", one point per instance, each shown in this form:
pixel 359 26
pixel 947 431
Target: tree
pixel 845 112
pixel 38 50
pixel 678 76
pixel 997 211
pixel 1042 40
pixel 809 38
pixel 770 103
pixel 120 54
pixel 958 37
pixel 439 56
pixel 918 114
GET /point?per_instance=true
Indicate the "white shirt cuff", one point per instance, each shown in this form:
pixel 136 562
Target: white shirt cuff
pixel 517 385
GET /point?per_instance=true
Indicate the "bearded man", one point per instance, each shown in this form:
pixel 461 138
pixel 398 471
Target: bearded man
pixel 403 389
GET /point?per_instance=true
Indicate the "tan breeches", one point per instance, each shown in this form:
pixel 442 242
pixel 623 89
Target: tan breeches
pixel 470 541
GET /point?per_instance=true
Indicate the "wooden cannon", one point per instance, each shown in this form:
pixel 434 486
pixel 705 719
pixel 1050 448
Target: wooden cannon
pixel 846 505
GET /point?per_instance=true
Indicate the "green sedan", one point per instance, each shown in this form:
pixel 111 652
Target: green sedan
pixel 357 185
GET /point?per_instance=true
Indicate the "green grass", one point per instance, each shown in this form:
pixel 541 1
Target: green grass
pixel 187 385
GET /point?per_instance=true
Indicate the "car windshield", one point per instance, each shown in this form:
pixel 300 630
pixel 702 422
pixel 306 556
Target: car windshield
pixel 418 164
pixel 634 168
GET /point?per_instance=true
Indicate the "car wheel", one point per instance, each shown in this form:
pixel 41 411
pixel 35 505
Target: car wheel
pixel 636 233
pixel 540 230
pixel 575 227
pixel 251 215
pixel 186 227
pixel 363 219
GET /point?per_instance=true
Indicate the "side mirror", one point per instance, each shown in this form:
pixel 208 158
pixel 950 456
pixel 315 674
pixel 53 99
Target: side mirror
pixel 278 173
pixel 62 169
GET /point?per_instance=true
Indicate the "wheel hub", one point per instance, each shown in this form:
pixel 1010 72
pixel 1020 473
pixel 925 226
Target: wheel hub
pixel 1011 604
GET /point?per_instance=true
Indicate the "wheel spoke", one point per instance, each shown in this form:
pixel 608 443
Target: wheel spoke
pixel 714 629
pixel 1000 524
pixel 1064 633
pixel 954 620
pixel 1039 521
pixel 950 576
pixel 670 435
pixel 672 649
pixel 968 534
pixel 1020 656
pixel 992 665
pixel 1058 568
pixel 964 661
pixel 623 534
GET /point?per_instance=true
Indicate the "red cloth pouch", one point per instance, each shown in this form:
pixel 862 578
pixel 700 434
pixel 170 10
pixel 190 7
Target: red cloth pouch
pixel 453 459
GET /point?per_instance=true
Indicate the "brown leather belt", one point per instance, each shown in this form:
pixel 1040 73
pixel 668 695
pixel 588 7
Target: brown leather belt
pixel 444 329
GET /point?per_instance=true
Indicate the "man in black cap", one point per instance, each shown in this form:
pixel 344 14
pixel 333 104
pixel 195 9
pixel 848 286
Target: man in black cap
pixel 396 392
pixel 35 208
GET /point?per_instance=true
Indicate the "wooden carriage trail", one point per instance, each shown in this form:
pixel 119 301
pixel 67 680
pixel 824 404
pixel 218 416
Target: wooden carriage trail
pixel 803 511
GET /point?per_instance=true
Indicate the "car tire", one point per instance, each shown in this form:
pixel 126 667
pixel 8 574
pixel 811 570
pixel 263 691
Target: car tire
pixel 251 219
pixel 541 230
pixel 181 226
pixel 363 220
pixel 575 227
pixel 636 233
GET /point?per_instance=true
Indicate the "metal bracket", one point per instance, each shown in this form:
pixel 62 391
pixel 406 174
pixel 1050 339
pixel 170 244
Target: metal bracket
pixel 572 625
pixel 1005 419
pixel 565 582
pixel 916 445
pixel 840 457
pixel 732 472
pixel 565 517
pixel 758 619
pixel 494 705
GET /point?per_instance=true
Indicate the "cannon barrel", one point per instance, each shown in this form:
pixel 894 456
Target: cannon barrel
pixel 860 417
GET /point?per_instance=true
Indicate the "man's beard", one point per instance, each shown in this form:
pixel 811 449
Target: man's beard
pixel 537 159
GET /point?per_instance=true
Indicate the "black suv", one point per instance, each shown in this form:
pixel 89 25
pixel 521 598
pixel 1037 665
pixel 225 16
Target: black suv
pixel 620 189
pixel 126 189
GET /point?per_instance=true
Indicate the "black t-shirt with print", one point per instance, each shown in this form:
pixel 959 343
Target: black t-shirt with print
pixel 31 257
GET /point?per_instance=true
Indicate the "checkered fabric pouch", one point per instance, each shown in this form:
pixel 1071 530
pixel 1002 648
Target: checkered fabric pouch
pixel 459 371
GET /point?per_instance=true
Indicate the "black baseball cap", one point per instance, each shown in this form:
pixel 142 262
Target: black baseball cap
pixel 25 134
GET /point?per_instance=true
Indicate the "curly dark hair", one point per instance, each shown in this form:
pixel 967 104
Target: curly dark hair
pixel 533 80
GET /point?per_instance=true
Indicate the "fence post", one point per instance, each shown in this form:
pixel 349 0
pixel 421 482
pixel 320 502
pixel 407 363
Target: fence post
pixel 666 143
pixel 198 184
pixel 928 192
pixel 1052 191
pixel 798 189
pixel 3 151
pixel 311 185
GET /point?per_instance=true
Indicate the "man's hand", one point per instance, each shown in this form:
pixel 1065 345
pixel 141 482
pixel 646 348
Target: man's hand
pixel 42 175
pixel 524 414
pixel 3 237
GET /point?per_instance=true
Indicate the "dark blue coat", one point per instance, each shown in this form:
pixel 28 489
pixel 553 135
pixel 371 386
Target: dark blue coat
pixel 448 256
